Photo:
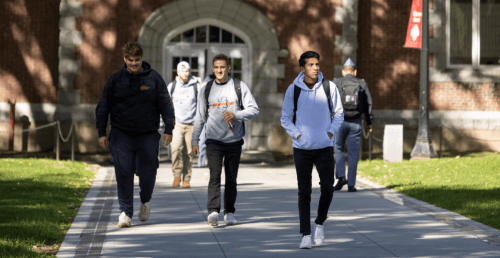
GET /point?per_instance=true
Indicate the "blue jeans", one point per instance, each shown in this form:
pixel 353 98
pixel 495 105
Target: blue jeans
pixel 304 161
pixel 134 153
pixel 350 130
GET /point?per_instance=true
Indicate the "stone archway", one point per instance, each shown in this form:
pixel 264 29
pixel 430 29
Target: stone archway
pixel 252 26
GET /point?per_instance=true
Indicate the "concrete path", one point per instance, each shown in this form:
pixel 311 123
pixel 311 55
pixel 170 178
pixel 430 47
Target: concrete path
pixel 374 222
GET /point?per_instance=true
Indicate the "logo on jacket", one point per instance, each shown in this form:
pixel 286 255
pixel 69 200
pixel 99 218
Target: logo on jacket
pixel 144 87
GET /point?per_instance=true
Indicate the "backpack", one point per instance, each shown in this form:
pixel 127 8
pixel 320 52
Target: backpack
pixel 350 95
pixel 296 93
pixel 195 91
pixel 237 88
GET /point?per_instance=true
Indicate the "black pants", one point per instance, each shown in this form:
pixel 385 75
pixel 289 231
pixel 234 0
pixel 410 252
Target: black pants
pixel 134 153
pixel 304 160
pixel 217 152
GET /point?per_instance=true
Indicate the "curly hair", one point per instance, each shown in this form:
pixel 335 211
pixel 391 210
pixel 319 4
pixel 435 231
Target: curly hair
pixel 132 49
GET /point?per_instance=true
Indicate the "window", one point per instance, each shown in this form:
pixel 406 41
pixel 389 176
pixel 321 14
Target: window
pixel 473 32
pixel 208 34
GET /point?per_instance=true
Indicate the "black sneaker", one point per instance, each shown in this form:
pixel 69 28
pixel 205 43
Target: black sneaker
pixel 340 184
pixel 351 189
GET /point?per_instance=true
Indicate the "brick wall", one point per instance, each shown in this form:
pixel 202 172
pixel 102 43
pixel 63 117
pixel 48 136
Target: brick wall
pixel 29 35
pixel 391 71
pixel 461 96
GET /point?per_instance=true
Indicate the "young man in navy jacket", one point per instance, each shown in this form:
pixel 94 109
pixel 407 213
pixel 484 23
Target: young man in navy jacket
pixel 135 97
pixel 312 126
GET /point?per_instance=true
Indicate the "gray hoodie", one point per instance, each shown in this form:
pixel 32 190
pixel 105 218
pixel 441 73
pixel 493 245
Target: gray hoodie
pixel 223 98
pixel 184 99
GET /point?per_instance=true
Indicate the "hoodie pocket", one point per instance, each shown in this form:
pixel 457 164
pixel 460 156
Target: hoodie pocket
pixel 314 139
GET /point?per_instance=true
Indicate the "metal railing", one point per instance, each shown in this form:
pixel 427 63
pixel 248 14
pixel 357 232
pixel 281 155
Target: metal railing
pixel 57 134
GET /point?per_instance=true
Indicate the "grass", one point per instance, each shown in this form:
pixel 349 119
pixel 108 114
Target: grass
pixel 40 198
pixel 466 185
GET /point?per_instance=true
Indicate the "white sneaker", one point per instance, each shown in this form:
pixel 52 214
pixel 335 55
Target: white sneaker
pixel 124 220
pixel 229 219
pixel 213 218
pixel 319 235
pixel 144 212
pixel 306 242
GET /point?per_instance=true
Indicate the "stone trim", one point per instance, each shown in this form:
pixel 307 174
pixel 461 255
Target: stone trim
pixel 480 120
pixel 242 19
pixel 347 44
pixel 68 39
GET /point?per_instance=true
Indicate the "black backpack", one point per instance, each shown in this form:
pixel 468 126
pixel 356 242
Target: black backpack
pixel 350 94
pixel 237 88
pixel 195 91
pixel 296 94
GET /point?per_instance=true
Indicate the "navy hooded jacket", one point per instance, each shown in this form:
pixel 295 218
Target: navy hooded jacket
pixel 135 102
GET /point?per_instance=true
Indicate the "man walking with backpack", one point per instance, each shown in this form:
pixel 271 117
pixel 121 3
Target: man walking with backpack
pixel 356 100
pixel 223 105
pixel 184 94
pixel 311 114
pixel 135 97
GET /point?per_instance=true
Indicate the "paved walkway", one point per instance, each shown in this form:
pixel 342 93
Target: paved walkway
pixel 374 222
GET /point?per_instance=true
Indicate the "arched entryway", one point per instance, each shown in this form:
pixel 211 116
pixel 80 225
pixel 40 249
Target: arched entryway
pixel 246 35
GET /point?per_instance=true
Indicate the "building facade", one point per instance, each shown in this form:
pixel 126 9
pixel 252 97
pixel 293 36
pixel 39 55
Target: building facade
pixel 58 54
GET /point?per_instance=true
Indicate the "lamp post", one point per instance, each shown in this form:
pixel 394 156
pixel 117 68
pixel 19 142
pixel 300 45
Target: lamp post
pixel 423 148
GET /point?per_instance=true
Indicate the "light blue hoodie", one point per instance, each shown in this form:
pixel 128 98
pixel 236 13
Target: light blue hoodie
pixel 223 98
pixel 313 114
pixel 184 99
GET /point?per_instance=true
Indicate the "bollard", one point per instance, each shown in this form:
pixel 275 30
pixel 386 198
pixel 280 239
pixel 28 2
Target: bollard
pixel 57 141
pixel 370 146
pixel 440 139
pixel 12 118
pixel 73 143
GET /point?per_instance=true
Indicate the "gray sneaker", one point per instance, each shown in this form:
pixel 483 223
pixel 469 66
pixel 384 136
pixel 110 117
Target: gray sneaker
pixel 213 218
pixel 319 235
pixel 124 220
pixel 144 212
pixel 229 219
pixel 306 242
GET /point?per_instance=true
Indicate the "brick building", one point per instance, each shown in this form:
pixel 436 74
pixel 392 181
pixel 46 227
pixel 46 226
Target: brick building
pixel 57 55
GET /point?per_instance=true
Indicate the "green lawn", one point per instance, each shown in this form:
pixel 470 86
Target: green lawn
pixel 466 185
pixel 40 198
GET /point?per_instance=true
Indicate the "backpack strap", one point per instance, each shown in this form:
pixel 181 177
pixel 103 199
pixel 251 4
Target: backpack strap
pixel 326 87
pixel 237 89
pixel 296 93
pixel 208 87
pixel 173 88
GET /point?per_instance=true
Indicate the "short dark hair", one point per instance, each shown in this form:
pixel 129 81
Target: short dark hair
pixel 306 55
pixel 220 57
pixel 132 49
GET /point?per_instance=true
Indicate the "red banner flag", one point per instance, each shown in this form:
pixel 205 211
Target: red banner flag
pixel 414 32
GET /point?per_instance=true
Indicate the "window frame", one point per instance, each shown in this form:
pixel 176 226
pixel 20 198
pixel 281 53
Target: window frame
pixel 476 37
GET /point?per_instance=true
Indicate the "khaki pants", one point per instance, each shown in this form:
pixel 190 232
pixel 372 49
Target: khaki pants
pixel 182 150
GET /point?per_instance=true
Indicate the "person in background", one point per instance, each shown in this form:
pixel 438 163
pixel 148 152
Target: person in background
pixel 184 93
pixel 356 100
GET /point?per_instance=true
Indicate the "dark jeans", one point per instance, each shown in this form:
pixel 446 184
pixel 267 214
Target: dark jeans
pixel 230 154
pixel 324 162
pixel 134 153
pixel 350 130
